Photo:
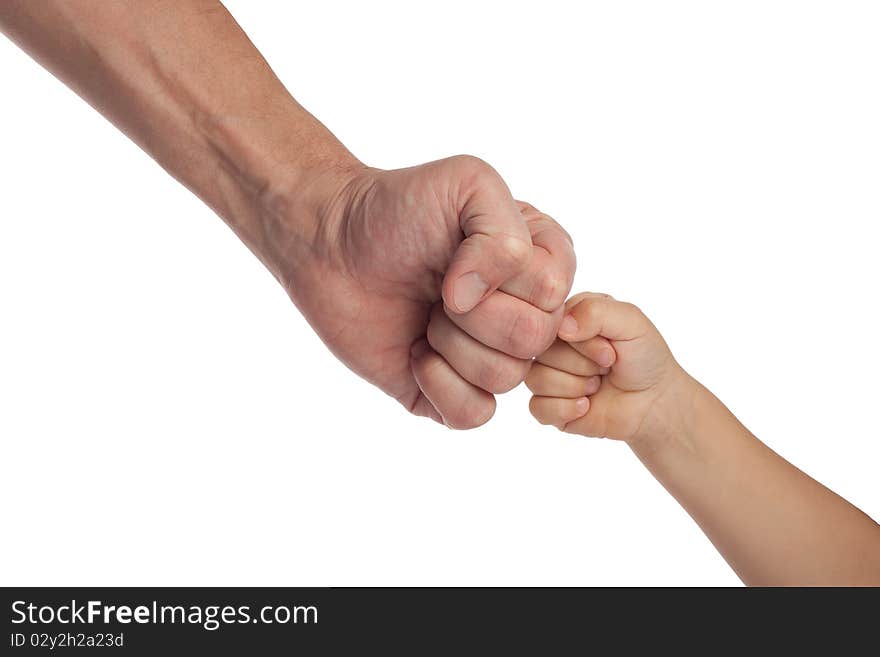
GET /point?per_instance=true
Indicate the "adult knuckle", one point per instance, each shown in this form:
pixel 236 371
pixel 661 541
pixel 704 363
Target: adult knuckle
pixel 466 159
pixel 524 335
pixel 514 252
pixel 534 216
pixel 529 335
pixel 474 411
pixel 550 289
pixel 473 166
pixel 499 378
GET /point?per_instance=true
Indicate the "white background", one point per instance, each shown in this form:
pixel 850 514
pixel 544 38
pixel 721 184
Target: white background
pixel 167 417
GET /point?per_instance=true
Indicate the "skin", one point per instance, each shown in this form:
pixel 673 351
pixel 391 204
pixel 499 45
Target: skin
pixel 430 282
pixel 773 524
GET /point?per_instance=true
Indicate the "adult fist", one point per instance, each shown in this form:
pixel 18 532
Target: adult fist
pixel 434 284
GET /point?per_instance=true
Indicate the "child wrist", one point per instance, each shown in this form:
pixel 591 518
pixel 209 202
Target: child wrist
pixel 671 415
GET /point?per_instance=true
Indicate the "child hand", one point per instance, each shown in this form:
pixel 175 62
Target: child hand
pixel 607 374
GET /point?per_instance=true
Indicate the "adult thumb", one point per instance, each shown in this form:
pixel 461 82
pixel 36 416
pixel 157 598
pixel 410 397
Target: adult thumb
pixel 497 244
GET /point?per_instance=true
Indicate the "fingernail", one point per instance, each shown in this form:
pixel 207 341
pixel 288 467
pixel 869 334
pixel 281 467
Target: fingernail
pixel 605 359
pixel 569 327
pixel 419 349
pixel 468 290
pixel 582 405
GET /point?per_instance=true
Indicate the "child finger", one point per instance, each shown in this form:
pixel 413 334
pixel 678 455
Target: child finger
pixel 562 356
pixel 550 382
pixel 595 314
pixel 598 349
pixel 580 296
pixel 594 423
pixel 558 412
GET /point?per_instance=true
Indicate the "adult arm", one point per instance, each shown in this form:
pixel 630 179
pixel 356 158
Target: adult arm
pixel 185 83
pixel 366 255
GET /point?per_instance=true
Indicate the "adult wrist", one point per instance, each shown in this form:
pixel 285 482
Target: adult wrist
pixel 302 213
pixel 282 178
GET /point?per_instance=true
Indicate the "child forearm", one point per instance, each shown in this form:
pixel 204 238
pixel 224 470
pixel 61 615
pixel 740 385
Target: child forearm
pixel 772 523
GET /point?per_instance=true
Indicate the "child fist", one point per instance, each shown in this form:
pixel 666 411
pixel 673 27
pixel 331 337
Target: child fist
pixel 608 375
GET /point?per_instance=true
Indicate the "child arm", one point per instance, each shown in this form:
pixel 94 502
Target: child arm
pixel 771 522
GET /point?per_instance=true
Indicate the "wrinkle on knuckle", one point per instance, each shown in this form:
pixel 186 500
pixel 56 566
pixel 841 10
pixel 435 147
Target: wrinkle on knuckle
pixel 525 336
pixel 514 253
pixel 492 378
pixel 472 412
pixel 549 290
pixel 500 378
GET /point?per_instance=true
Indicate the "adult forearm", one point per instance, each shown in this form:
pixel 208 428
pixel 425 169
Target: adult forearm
pixel 184 82
pixel 772 523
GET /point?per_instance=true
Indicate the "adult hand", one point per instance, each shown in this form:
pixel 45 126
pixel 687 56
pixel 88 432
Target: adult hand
pixel 434 284
pixel 367 255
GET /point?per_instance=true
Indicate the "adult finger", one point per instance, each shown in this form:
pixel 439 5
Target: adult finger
pixel 547 279
pixel 510 325
pixel 497 244
pixel 462 405
pixel 478 364
pixel 424 408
